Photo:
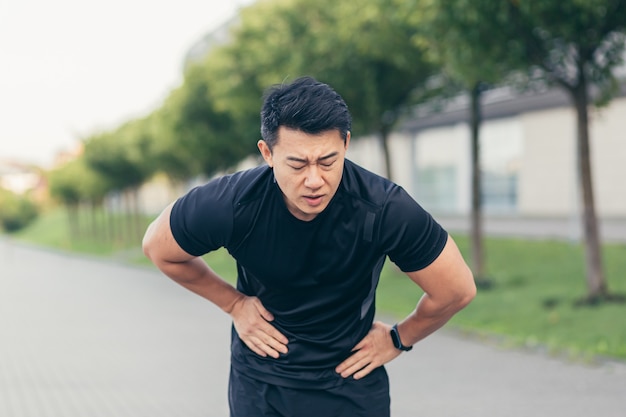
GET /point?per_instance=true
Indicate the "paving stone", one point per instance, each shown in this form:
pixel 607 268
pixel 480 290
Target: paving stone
pixel 82 337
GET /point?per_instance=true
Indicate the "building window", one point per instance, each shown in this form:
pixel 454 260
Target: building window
pixel 501 149
pixel 436 188
pixel 499 191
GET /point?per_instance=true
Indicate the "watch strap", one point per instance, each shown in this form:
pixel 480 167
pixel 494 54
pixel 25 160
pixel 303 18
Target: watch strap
pixel 397 342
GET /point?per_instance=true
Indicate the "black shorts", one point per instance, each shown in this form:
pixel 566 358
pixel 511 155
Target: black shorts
pixel 367 397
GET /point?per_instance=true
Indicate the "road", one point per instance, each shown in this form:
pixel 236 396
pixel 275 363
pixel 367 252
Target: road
pixel 82 337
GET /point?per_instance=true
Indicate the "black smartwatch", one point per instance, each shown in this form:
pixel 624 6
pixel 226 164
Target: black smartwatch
pixel 397 342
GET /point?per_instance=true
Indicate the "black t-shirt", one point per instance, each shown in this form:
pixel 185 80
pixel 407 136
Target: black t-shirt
pixel 318 278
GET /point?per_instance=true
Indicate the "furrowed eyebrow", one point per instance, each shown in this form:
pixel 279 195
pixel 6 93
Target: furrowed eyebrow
pixel 304 161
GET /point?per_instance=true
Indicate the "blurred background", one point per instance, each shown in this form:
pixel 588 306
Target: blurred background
pixel 504 119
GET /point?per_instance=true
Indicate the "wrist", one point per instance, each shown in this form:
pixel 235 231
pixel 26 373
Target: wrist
pixel 397 340
pixel 234 303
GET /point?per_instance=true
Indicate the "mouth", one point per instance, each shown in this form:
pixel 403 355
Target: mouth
pixel 313 200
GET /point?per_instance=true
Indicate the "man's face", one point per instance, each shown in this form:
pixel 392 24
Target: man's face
pixel 307 168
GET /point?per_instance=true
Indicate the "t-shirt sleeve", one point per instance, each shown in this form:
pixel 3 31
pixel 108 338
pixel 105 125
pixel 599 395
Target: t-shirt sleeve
pixel 201 221
pixel 410 235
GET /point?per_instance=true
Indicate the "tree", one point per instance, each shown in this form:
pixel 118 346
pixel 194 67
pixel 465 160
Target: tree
pixel 575 45
pixel 239 71
pixel 123 158
pixel 377 72
pixel 16 211
pixel 166 155
pixel 72 183
pixel 120 155
pixel 202 139
pixel 465 38
pixel 382 72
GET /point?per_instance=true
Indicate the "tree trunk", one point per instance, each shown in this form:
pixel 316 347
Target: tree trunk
pixel 73 224
pixel 384 143
pixel 93 218
pixel 127 216
pixel 137 220
pixel 476 223
pixel 596 284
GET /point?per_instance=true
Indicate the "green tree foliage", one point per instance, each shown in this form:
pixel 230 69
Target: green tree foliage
pixel 575 45
pixel 363 49
pixel 467 39
pixel 74 183
pixel 240 70
pixel 122 156
pixel 368 52
pixel 383 56
pixel 65 182
pixel 16 211
pixel 197 138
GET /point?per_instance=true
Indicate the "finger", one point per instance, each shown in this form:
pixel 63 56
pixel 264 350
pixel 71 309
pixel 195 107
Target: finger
pixel 255 347
pixel 360 345
pixel 354 367
pixel 365 371
pixel 261 341
pixel 262 310
pixel 279 345
pixel 347 363
pixel 271 347
pixel 275 335
pixel 277 342
pixel 269 351
pixel 261 348
pixel 268 329
pixel 344 365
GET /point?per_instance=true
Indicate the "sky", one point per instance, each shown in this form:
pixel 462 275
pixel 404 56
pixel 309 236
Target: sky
pixel 71 68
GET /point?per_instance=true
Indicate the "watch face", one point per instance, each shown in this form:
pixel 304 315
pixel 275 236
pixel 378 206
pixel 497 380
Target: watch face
pixel 395 337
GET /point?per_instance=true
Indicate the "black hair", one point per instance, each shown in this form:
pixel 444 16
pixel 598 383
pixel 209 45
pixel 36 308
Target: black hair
pixel 306 105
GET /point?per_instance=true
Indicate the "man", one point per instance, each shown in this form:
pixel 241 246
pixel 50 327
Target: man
pixel 310 233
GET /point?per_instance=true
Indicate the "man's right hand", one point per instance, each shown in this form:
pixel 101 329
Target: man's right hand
pixel 252 322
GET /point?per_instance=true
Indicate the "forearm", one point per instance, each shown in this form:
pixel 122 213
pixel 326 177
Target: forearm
pixel 429 316
pixel 189 271
pixel 448 286
pixel 196 276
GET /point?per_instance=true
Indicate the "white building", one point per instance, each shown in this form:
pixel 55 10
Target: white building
pixel 18 178
pixel 528 157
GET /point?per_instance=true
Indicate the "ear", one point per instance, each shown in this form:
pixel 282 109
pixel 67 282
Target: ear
pixel 347 140
pixel 266 153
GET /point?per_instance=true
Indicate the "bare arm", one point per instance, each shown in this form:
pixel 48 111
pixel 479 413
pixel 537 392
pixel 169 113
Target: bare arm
pixel 448 286
pixel 251 319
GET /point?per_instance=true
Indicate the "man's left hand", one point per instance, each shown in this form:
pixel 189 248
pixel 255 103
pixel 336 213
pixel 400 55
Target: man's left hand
pixel 374 350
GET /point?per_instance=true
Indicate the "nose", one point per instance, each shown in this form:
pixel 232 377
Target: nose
pixel 313 179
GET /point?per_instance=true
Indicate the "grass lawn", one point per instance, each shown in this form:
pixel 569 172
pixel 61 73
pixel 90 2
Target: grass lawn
pixel 97 234
pixel 532 301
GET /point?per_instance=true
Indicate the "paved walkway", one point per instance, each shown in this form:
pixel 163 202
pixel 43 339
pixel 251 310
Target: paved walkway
pixel 611 230
pixel 86 338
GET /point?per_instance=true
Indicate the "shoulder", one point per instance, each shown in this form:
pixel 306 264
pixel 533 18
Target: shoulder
pixel 203 219
pixel 237 187
pixel 222 194
pixel 243 182
pixel 366 186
